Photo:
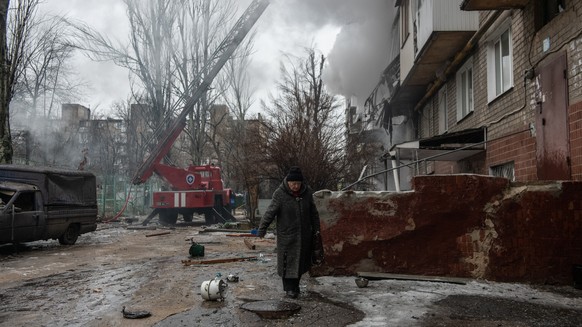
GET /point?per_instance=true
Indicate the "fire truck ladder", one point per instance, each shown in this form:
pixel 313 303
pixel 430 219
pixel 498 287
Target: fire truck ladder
pixel 219 59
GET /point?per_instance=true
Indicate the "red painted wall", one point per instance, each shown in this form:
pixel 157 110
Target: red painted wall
pixel 456 225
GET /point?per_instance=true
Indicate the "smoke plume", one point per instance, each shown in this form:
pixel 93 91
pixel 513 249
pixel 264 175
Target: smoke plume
pixel 364 46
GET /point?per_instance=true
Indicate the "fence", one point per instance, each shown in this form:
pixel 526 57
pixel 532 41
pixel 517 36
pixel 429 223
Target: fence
pixel 113 192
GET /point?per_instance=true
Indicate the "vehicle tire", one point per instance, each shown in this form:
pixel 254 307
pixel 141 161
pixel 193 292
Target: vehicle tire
pixel 168 217
pixel 188 217
pixel 70 236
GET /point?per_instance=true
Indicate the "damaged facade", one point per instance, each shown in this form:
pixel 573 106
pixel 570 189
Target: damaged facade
pixel 465 225
pixel 486 87
pixel 482 89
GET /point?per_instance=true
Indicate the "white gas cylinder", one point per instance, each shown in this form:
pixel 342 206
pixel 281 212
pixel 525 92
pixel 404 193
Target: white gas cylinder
pixel 213 290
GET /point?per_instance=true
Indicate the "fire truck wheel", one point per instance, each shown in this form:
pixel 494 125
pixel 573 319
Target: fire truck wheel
pixel 188 217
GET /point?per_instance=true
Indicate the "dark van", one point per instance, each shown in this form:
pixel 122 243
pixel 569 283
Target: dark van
pixel 39 203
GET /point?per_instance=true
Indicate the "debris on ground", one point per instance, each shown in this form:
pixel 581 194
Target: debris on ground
pixel 115 266
pixel 135 314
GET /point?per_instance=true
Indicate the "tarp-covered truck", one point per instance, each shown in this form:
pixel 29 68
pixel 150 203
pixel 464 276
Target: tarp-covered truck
pixel 39 203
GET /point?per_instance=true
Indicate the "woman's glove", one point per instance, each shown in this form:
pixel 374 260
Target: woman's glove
pixel 261 233
pixel 317 256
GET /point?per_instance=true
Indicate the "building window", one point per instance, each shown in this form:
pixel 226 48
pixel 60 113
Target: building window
pixel 546 10
pixel 499 63
pixel 506 170
pixel 465 89
pixel 427 121
pixel 443 111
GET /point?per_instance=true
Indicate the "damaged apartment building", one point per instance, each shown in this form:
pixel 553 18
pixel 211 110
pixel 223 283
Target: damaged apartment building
pixel 486 87
pixel 479 118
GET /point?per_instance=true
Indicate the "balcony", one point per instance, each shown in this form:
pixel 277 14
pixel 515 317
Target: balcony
pixel 441 30
pixel 470 5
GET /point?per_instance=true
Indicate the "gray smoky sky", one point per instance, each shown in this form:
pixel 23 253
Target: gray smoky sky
pixel 361 30
pixel 363 47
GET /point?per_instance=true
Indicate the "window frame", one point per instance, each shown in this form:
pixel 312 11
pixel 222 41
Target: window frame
pixel 505 170
pixel 465 101
pixel 443 107
pixel 496 67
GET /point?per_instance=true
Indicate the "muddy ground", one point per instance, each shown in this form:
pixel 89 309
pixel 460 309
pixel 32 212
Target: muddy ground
pixel 89 284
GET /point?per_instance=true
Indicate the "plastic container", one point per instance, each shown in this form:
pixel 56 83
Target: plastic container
pixel 196 250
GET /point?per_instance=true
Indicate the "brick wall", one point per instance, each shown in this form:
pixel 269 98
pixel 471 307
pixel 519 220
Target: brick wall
pixel 456 225
pixel 508 112
pixel 515 110
pixel 575 120
pixel 575 69
pixel 446 167
pixel 519 148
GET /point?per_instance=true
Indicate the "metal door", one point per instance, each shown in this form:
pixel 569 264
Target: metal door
pixel 552 152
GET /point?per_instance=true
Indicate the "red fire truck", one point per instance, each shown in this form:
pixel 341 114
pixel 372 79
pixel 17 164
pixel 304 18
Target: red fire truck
pixel 196 189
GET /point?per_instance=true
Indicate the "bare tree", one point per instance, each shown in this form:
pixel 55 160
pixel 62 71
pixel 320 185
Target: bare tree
pixel 15 30
pixel 47 79
pixel 203 25
pixel 238 92
pixel 245 161
pixel 5 137
pixel 238 99
pixel 45 82
pixel 136 133
pixel 104 141
pixel 171 43
pixel 35 53
pixel 238 142
pixel 305 125
pixel 148 57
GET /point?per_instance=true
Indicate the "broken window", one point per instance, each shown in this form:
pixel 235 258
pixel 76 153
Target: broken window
pixel 506 170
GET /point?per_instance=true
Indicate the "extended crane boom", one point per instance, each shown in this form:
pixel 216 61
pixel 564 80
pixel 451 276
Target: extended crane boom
pixel 220 57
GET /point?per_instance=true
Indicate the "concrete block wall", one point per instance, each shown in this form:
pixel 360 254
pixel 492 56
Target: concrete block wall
pixel 456 225
pixel 540 233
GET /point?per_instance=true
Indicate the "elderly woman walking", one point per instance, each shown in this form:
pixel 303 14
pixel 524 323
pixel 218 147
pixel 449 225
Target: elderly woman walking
pixel 298 240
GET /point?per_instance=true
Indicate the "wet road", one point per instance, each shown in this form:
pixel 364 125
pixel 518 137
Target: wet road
pixel 88 284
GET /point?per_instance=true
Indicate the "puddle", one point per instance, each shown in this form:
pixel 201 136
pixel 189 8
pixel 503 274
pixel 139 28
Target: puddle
pixel 272 309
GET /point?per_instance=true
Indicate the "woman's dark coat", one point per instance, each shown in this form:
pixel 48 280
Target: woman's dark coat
pixel 297 223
